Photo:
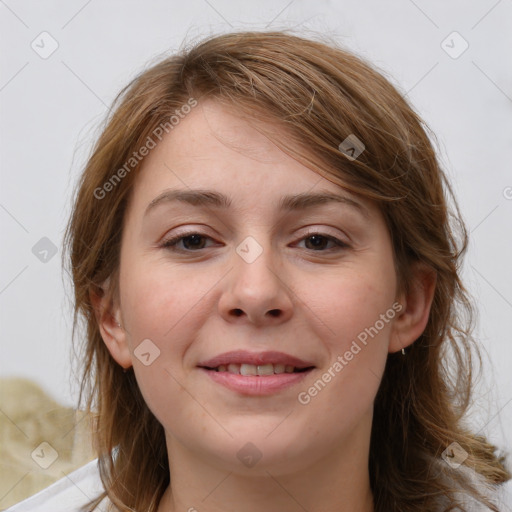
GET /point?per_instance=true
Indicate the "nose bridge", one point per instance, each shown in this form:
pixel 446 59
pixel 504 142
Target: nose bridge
pixel 254 266
pixel 256 289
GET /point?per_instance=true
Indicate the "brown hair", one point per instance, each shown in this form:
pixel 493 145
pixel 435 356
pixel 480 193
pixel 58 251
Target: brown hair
pixel 320 94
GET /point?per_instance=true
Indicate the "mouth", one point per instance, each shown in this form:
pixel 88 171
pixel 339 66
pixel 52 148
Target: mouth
pixel 256 374
pixel 257 370
pixel 243 362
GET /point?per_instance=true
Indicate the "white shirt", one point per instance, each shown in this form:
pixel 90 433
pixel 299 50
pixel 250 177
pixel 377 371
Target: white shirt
pixel 69 494
pixel 72 492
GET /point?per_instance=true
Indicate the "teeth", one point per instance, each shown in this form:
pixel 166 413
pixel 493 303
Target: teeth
pixel 248 369
pixel 252 369
pixel 233 368
pixel 265 369
pixel 279 368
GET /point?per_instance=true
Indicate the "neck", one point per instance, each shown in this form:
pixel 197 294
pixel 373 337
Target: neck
pixel 337 482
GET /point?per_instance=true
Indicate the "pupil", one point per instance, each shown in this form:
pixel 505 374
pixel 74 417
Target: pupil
pixel 194 238
pixel 318 241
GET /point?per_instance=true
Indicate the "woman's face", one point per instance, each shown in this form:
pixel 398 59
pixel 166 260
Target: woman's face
pixel 258 265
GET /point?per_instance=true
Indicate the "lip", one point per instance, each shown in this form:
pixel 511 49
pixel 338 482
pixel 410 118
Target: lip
pixel 256 385
pixel 256 358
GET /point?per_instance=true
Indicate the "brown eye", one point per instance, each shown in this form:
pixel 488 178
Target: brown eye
pixel 319 242
pixel 191 242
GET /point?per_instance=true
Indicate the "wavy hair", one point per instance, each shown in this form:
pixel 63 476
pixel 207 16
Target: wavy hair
pixel 317 94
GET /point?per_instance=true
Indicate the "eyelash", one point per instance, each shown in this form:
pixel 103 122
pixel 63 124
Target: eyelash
pixel 171 243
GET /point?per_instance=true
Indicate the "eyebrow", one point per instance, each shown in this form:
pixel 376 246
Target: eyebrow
pixel 211 198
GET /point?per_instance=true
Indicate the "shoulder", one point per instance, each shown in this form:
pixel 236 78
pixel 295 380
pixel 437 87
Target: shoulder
pixel 69 494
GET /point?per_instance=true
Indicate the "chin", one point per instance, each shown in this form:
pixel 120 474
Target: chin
pixel 258 453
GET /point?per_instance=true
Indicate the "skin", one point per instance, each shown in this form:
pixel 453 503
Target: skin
pixel 315 456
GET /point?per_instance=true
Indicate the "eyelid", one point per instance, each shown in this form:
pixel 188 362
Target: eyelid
pixel 190 229
pixel 321 230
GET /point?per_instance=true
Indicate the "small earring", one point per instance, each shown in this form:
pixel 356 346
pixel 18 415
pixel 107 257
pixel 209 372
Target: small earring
pixel 403 351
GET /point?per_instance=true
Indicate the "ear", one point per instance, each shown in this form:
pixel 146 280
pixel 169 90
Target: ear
pixel 108 317
pixel 413 317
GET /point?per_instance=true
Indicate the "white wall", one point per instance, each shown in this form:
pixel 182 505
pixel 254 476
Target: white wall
pixel 50 109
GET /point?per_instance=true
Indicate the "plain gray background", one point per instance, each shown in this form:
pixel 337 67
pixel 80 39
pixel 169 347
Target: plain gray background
pixel 50 109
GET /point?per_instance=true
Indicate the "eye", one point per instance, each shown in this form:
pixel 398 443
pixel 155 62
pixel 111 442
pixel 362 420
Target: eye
pixel 318 242
pixel 191 241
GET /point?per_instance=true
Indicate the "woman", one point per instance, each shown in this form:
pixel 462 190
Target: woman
pixel 262 252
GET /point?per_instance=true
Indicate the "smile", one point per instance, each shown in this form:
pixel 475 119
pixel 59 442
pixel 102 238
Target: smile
pixel 261 370
pixel 257 380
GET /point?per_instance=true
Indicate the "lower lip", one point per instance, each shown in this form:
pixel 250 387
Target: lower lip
pixel 256 385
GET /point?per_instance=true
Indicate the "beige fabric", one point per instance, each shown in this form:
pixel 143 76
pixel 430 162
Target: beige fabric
pixel 40 440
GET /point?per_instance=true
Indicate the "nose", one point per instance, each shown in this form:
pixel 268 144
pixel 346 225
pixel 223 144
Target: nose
pixel 256 292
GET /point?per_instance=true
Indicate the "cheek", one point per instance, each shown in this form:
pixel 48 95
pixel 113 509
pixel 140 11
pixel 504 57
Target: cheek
pixel 357 316
pixel 352 303
pixel 167 308
pixel 159 302
pixel 160 305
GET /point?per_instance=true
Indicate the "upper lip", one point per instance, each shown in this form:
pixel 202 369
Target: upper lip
pixel 255 358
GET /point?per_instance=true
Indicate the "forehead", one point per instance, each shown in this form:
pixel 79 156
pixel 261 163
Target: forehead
pixel 213 148
pixel 212 140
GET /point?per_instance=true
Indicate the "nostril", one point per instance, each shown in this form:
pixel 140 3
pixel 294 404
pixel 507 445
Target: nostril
pixel 272 312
